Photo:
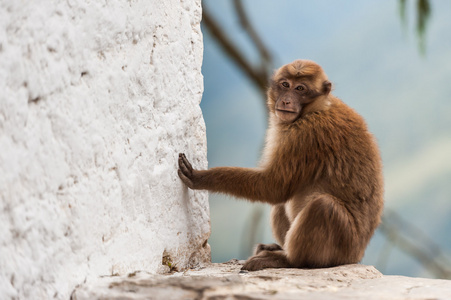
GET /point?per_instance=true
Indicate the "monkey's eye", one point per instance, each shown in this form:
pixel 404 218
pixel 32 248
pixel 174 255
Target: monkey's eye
pixel 300 88
pixel 285 84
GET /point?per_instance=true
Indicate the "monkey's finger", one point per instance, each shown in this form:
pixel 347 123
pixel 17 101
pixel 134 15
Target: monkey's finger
pixel 267 247
pixel 252 264
pixel 259 248
pixel 180 160
pixel 186 164
pixel 184 169
pixel 185 179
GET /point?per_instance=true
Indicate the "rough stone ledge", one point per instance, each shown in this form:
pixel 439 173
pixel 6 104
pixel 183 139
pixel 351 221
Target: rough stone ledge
pixel 225 281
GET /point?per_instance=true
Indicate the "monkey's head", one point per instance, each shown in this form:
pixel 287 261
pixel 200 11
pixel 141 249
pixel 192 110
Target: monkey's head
pixel 296 89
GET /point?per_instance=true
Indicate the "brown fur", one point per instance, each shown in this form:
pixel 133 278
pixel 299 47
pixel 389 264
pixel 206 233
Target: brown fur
pixel 321 171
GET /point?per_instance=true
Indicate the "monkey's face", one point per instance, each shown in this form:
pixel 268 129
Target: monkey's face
pixel 294 87
pixel 292 95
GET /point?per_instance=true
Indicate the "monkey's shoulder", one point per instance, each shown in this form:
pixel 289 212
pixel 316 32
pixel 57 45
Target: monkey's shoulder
pixel 337 117
pixel 339 129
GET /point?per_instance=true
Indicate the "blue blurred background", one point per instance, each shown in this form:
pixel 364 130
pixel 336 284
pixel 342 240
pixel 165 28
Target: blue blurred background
pixel 378 66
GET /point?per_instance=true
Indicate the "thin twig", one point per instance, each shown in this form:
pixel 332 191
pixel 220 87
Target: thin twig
pixel 429 258
pixel 266 57
pixel 257 77
pixel 413 231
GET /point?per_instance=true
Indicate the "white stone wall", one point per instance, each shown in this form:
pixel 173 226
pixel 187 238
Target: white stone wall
pixel 97 98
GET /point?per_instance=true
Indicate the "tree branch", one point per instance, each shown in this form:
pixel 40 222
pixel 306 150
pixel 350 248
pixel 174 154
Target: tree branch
pixel 429 257
pixel 247 26
pixel 257 77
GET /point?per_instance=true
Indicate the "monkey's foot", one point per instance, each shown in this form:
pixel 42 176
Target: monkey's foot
pixel 267 259
pixel 268 247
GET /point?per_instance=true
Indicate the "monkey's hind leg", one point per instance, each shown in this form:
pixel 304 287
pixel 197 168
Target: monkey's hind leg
pixel 267 259
pixel 323 234
pixel 271 255
pixel 279 223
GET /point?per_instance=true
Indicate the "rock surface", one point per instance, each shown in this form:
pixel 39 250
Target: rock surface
pixel 224 281
pixel 97 99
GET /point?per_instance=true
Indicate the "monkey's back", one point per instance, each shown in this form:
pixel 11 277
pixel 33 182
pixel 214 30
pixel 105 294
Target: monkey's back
pixel 342 159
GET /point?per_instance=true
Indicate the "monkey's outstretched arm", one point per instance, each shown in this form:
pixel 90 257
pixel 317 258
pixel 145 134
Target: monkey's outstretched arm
pixel 252 184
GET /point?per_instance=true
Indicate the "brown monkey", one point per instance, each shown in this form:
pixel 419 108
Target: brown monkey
pixel 321 172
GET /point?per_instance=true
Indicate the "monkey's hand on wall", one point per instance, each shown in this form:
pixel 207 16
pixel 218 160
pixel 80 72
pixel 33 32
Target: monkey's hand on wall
pixel 186 172
pixel 252 184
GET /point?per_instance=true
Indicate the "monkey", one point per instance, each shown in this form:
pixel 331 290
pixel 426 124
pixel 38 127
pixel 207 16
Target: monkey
pixel 320 171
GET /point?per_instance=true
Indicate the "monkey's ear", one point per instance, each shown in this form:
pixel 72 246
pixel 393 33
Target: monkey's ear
pixel 327 86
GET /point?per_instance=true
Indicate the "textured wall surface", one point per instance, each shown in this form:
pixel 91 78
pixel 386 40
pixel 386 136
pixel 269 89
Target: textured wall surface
pixel 96 100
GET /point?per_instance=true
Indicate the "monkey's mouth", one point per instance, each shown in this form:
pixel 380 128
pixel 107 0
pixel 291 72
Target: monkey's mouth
pixel 286 111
